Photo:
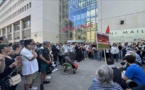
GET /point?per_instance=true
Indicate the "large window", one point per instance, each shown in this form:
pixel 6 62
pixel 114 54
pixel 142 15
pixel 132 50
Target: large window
pixel 27 24
pixel 17 35
pixel 17 27
pixel 3 31
pixel 80 21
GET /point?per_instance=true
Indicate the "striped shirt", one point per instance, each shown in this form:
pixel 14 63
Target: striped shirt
pixel 97 86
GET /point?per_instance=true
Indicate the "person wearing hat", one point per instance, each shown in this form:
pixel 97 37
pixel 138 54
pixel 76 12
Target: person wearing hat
pixel 29 64
pixel 45 61
pixel 10 65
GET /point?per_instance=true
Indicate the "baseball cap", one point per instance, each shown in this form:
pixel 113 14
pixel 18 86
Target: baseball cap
pixel 4 45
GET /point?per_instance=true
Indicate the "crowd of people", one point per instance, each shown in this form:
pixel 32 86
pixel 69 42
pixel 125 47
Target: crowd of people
pixel 130 76
pixel 26 58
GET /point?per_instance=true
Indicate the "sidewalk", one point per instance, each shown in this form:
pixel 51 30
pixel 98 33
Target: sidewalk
pixel 79 81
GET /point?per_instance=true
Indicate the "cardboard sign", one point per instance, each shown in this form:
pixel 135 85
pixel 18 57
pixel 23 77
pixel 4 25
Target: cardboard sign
pixel 102 41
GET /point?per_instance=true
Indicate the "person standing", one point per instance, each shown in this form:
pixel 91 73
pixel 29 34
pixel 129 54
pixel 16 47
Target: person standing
pixel 114 51
pixel 10 67
pixel 120 51
pixel 29 64
pixel 54 52
pixel 44 55
pixel 139 48
pixel 61 54
pixel 86 52
pixel 78 52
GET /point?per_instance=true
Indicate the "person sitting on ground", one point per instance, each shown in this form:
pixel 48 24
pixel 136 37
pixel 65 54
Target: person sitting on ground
pixel 116 73
pixel 104 79
pixel 137 60
pixel 134 71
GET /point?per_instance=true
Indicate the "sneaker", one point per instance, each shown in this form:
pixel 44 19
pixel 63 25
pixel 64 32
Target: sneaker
pixel 54 70
pixel 33 88
pixel 41 87
pixel 46 82
pixel 48 77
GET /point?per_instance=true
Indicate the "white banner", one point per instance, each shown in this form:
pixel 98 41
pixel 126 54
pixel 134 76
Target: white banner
pixel 128 35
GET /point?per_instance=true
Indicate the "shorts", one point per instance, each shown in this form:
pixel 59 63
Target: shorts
pixel 43 68
pixel 86 52
pixel 29 78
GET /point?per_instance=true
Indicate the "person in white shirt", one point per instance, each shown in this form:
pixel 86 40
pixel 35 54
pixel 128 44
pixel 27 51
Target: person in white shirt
pixel 65 46
pixel 115 51
pixel 29 64
pixel 71 51
pixel 86 52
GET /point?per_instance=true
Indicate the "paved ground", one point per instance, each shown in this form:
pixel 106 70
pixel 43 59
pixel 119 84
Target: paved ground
pixel 79 81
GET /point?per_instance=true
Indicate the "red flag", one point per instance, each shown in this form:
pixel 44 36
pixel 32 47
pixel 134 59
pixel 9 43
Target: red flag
pixel 107 30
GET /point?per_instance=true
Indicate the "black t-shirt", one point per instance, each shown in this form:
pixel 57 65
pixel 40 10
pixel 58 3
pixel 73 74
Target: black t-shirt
pixel 117 75
pixel 118 78
pixel 120 47
pixel 7 69
pixel 14 55
pixel 45 53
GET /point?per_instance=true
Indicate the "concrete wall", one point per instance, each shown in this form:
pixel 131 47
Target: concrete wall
pixel 111 12
pixel 45 20
pixel 51 20
pixel 37 20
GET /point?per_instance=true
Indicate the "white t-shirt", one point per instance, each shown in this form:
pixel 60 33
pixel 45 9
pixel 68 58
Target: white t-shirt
pixel 114 50
pixel 70 48
pixel 28 67
pixel 65 48
pixel 87 47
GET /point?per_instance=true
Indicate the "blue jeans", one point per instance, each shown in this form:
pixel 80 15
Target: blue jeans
pixel 120 54
pixel 99 55
pixel 115 56
pixel 95 55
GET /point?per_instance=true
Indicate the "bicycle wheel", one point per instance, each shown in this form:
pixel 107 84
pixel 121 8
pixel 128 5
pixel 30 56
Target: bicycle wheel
pixel 66 68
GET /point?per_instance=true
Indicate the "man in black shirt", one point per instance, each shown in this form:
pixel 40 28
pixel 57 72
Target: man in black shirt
pixel 45 61
pixel 120 51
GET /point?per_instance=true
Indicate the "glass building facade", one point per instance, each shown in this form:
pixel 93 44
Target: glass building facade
pixel 78 20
